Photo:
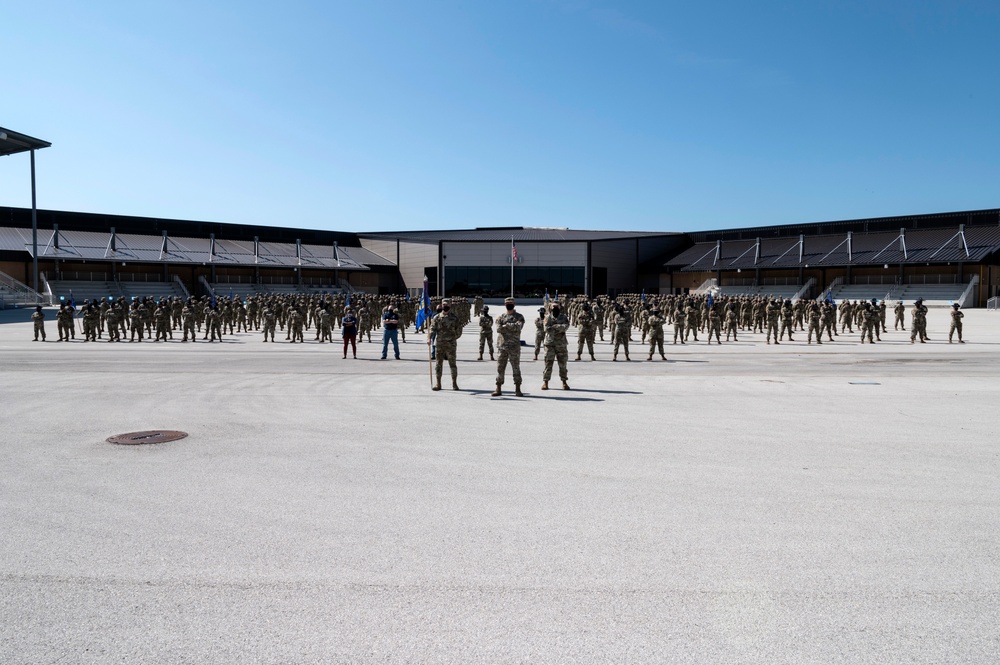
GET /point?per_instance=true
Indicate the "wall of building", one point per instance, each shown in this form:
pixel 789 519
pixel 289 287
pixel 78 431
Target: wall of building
pixel 384 248
pixel 619 257
pixel 414 259
pixel 19 270
pixel 530 254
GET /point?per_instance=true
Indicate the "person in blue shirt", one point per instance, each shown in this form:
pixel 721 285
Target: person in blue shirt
pixel 390 331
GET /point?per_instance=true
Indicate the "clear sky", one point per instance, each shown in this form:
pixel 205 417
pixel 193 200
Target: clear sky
pixel 372 115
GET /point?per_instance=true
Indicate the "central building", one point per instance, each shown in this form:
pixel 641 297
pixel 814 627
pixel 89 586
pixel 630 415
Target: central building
pixel 478 261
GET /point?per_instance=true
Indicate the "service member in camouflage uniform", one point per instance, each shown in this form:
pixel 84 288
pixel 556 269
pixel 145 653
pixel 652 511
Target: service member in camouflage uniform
pixel 622 323
pixel 539 331
pixel 509 325
pixel 900 311
pixel 956 323
pixel 587 330
pixel 655 327
pixel 814 319
pixel 38 319
pixel 446 329
pixel 485 330
pixel 556 346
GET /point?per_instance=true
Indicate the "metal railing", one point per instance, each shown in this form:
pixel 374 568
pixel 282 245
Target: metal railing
pixel 804 291
pixel 706 285
pixel 18 293
pixel 868 280
pixel 932 279
pixel 180 284
pixel 84 277
pixel 969 290
pixel 993 303
pixel 139 277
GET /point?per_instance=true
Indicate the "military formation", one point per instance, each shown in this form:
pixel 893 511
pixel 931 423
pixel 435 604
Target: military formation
pixel 211 319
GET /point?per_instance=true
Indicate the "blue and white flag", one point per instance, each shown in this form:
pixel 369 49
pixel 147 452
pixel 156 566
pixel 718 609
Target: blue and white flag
pixel 424 312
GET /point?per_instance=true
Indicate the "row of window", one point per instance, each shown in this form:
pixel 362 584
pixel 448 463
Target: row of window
pixel 495 281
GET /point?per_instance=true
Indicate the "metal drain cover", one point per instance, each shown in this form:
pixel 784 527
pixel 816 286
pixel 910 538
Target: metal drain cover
pixel 152 436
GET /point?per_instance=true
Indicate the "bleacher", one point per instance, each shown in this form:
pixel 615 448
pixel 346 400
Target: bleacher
pixel 934 295
pixel 784 292
pixel 860 292
pixel 155 289
pixel 80 290
pixel 223 289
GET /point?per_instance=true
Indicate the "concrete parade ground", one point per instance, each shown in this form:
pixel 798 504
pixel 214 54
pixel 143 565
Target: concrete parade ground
pixel 742 503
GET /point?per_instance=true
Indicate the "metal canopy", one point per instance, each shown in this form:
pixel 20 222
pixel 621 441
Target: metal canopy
pixel 12 142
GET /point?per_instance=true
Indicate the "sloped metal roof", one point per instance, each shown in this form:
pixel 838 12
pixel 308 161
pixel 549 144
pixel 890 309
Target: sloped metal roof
pixel 519 234
pixel 939 245
pixel 94 245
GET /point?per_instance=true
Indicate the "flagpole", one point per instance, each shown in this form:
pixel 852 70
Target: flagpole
pixel 512 266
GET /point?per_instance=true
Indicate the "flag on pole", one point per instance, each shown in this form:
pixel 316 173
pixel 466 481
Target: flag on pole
pixel 347 303
pixel 710 301
pixel 829 296
pixel 642 296
pixel 424 312
pixel 513 250
pixel 230 293
pixel 546 296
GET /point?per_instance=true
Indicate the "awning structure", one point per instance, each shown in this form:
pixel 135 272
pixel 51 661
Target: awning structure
pixel 943 245
pixel 128 247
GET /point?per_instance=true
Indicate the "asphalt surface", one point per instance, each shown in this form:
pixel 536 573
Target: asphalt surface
pixel 741 503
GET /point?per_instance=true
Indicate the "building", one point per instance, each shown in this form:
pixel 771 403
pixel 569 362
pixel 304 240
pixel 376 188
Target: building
pixel 943 257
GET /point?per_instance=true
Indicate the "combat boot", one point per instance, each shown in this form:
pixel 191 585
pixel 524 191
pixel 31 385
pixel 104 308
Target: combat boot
pixel 437 386
pixel 565 385
pixel 517 390
pixel 627 358
pixel 592 357
pixel 576 359
pixel 454 384
pixel 491 356
pixel 497 392
pixel 650 357
pixel 663 356
pixel 545 385
pixel 480 356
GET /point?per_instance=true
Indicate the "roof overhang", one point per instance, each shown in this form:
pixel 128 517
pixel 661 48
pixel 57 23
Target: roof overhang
pixel 12 142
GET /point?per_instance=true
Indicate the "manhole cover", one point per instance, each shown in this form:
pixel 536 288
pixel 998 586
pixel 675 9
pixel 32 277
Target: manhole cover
pixel 152 436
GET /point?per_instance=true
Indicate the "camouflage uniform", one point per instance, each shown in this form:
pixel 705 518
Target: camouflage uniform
pixel 539 331
pixel 956 324
pixel 38 318
pixel 622 323
pixel 556 347
pixel 655 327
pixel 485 330
pixel 446 329
pixel 586 333
pixel 509 327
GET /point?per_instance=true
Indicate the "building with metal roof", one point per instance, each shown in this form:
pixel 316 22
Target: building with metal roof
pixel 958 248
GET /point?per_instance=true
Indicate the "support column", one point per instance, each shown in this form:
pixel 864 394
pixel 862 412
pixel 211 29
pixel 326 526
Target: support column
pixel 34 225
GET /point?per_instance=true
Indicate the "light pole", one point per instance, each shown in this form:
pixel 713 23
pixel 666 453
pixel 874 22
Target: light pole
pixel 12 143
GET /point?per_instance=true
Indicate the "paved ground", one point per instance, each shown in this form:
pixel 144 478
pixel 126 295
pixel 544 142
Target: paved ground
pixel 738 504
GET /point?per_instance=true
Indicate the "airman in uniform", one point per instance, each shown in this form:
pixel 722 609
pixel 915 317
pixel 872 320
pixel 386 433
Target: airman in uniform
pixel 509 325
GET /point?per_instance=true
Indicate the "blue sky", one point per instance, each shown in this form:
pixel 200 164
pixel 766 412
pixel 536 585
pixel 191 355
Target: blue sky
pixel 376 115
